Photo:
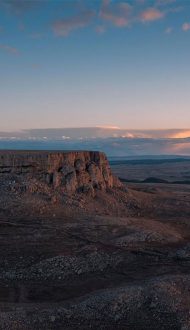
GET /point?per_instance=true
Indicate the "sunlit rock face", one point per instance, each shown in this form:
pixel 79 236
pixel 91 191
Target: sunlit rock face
pixel 71 172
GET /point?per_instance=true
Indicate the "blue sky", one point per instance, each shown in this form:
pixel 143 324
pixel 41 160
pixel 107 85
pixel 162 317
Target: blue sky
pixel 91 63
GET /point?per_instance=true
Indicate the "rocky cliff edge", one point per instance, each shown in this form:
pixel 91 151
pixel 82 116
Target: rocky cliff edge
pixel 68 171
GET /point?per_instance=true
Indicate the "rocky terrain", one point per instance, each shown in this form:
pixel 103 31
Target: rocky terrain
pixel 79 250
pixel 69 171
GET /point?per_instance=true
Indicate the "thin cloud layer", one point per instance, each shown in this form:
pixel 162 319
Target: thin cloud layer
pixel 80 14
pixel 64 26
pixel 118 14
pixel 186 27
pixel 9 49
pixel 151 14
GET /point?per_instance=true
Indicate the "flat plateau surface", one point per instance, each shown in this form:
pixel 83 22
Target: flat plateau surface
pixel 170 170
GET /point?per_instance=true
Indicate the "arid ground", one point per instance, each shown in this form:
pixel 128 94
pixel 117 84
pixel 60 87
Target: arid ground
pixel 117 260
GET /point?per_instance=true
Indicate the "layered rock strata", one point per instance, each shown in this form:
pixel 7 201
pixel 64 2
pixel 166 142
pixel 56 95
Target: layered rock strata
pixel 71 171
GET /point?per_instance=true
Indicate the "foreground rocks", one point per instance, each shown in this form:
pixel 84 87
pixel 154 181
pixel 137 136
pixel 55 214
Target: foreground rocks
pixel 114 258
pixel 70 274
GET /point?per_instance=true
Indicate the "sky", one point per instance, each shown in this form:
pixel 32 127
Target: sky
pixel 94 63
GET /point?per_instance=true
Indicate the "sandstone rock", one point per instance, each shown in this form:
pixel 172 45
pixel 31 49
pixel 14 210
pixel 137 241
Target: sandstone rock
pixel 69 172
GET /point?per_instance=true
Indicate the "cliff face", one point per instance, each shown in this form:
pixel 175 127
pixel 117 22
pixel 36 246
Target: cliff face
pixel 75 171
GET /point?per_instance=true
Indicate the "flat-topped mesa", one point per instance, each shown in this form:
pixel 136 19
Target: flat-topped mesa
pixel 70 171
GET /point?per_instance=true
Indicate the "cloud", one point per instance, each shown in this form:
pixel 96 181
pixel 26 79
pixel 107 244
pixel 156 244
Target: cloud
pixel 119 14
pixel 186 27
pixel 64 26
pixel 116 13
pixel 151 14
pixel 9 49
